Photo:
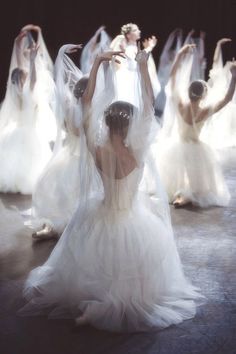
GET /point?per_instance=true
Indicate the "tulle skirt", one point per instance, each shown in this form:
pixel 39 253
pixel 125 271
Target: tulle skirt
pixel 23 155
pixel 191 169
pixel 119 268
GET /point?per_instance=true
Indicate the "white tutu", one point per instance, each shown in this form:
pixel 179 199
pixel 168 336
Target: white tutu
pixel 118 267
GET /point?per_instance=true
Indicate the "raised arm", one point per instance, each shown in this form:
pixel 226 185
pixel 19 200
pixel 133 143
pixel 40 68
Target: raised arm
pixel 19 49
pixel 229 94
pixel 217 59
pixel 188 39
pixel 164 58
pixel 33 76
pixel 146 85
pixel 95 37
pixel 179 58
pixel 34 28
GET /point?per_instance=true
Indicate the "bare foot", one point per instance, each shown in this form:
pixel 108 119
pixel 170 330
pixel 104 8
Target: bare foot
pixel 46 233
pixel 180 201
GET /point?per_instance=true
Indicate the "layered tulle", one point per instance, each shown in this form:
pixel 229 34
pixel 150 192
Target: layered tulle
pixel 119 268
pixel 190 169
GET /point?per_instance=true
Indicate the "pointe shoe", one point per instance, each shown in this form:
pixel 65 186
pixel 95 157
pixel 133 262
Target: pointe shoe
pixel 180 202
pixel 46 233
pixel 81 320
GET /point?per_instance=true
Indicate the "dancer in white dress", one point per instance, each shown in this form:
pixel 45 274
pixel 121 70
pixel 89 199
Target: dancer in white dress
pixel 116 265
pixel 23 151
pixel 57 191
pixel 126 74
pixel 188 167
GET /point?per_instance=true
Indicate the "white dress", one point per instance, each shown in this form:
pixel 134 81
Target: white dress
pixel 116 263
pixel 189 167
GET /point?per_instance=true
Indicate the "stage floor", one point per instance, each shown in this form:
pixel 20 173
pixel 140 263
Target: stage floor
pixel 206 241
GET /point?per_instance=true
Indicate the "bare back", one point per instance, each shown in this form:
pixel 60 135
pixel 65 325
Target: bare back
pixel 115 161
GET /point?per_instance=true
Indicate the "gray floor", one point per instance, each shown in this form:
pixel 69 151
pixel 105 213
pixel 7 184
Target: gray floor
pixel 207 244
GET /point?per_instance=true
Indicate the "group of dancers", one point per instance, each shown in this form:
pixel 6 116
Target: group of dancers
pixel 104 149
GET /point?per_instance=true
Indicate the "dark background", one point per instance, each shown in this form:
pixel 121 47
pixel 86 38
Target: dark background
pixel 71 21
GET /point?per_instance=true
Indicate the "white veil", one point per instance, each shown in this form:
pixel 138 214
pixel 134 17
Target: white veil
pixel 92 48
pixel 66 76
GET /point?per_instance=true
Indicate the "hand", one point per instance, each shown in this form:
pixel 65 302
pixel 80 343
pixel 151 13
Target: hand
pixel 142 55
pixel 150 43
pixel 224 40
pixel 187 48
pixel 72 48
pixel 106 56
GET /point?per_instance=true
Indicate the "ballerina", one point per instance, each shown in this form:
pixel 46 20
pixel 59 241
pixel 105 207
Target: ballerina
pixel 56 195
pixel 188 167
pixel 126 74
pixel 23 152
pixel 116 265
pixel 44 91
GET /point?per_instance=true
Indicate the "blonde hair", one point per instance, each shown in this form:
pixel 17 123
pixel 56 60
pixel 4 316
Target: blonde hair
pixel 125 29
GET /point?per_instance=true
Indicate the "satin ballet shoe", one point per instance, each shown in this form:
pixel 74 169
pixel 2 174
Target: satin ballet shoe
pixel 180 202
pixel 46 233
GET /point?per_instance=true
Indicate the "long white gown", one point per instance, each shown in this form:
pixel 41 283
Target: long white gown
pixel 116 262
